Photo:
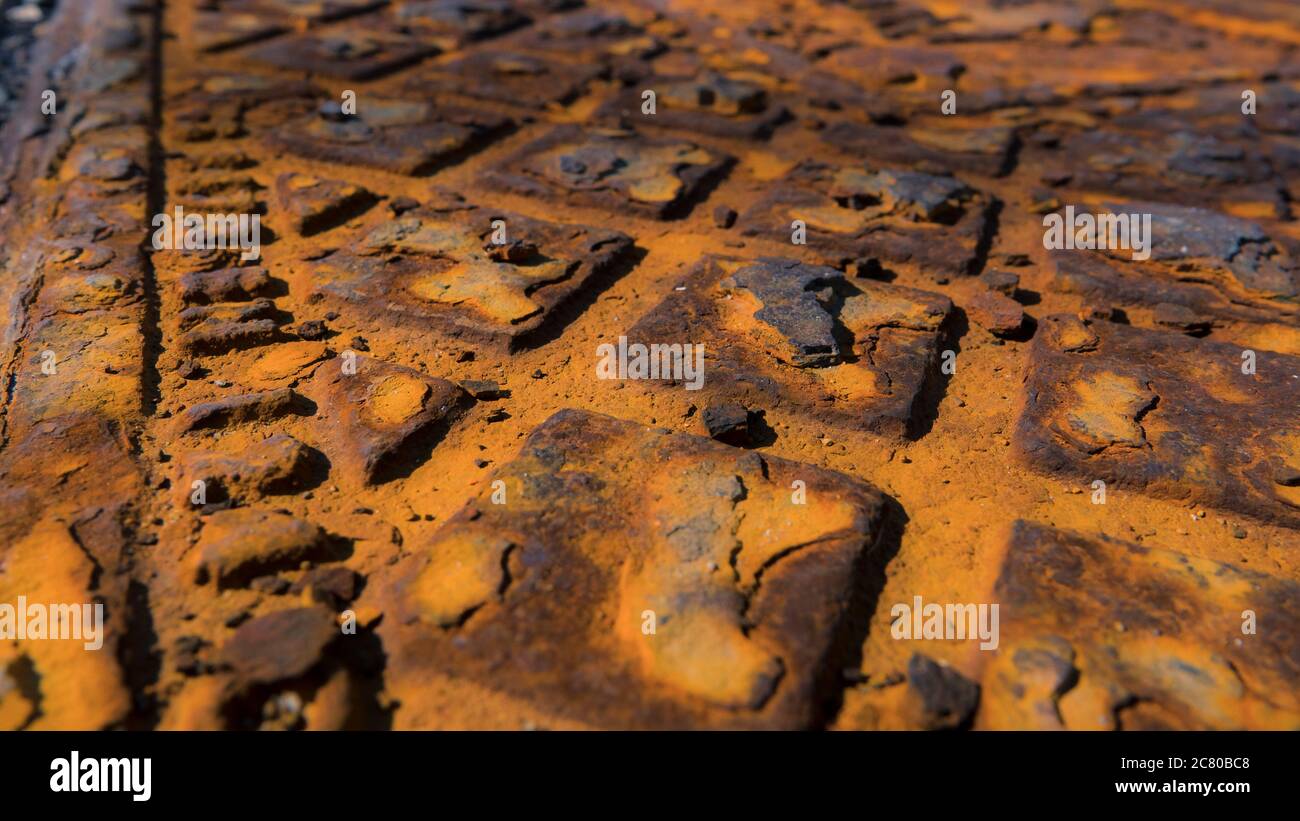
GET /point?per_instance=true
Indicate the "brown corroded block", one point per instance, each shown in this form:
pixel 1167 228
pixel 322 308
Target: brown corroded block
pixel 637 578
pixel 376 415
pixel 1147 155
pixel 78 685
pixel 346 54
pixel 312 204
pixel 985 149
pixel 1113 282
pixel 277 464
pixel 454 23
pixel 313 11
pixel 412 137
pixel 506 77
pixel 709 103
pixel 1237 252
pixel 211 108
pixel 1208 271
pixel 220 30
pixel 1165 414
pixel 1160 295
pixel 88 362
pixel 259 408
pixel 778 332
pixel 889 67
pixel 240 544
pixel 613 169
pixel 1102 634
pixel 294 12
pixel 216 329
pixel 594 37
pixel 878 218
pixel 452 266
pixel 66 487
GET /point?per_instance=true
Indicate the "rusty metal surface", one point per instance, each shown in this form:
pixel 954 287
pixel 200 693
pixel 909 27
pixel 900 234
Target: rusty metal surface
pixel 435 450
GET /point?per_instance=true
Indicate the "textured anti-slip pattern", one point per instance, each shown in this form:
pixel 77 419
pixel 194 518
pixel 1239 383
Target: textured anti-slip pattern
pixel 651 364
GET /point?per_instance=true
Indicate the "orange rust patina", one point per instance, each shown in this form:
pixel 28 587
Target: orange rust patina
pixel 372 477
